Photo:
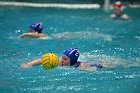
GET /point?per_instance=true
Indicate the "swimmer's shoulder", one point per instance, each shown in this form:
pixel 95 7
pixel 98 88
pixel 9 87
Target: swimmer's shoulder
pixel 86 67
pixel 81 64
pixel 42 35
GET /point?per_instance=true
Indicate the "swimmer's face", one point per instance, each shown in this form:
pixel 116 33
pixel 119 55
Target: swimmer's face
pixel 116 8
pixel 31 30
pixel 65 60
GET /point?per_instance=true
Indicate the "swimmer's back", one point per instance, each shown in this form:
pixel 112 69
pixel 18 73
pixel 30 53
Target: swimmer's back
pixel 88 66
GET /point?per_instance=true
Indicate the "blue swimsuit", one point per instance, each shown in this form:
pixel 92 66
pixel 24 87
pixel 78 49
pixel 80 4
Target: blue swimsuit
pixel 98 66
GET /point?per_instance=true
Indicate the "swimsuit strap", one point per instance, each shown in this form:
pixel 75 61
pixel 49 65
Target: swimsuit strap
pixel 99 66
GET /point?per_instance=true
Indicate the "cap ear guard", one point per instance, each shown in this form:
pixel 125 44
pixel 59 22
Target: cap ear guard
pixel 38 27
pixel 73 54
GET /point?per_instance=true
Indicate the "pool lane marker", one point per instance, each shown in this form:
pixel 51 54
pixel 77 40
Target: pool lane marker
pixel 67 6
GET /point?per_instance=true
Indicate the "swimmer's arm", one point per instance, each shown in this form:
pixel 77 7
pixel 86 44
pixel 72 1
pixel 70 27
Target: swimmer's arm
pixel 29 35
pixel 87 67
pixel 23 35
pixel 32 63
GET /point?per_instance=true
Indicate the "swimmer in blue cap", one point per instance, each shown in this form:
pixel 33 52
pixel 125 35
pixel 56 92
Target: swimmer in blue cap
pixel 35 30
pixel 71 55
pixel 70 58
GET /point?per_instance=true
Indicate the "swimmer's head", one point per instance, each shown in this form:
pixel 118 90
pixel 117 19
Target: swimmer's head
pixel 72 54
pixel 118 4
pixel 37 27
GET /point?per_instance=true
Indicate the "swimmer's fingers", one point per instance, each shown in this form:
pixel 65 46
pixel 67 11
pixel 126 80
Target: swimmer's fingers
pixel 25 66
pixel 21 35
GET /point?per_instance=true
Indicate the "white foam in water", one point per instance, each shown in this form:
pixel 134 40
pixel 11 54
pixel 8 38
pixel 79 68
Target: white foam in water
pixel 116 61
pixel 68 6
pixel 137 37
pixel 83 35
pixel 100 57
pixel 134 5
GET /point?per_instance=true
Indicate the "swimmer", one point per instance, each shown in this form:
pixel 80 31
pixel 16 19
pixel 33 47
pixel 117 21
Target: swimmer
pixel 70 59
pixel 35 31
pixel 118 11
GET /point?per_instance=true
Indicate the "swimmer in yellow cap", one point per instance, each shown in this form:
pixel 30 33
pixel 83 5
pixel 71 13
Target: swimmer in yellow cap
pixel 35 30
pixel 70 58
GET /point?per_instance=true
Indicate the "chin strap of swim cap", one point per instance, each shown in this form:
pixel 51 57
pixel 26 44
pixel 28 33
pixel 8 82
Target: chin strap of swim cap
pixel 38 27
pixel 73 54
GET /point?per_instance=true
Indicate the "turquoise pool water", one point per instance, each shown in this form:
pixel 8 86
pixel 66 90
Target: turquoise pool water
pixel 92 31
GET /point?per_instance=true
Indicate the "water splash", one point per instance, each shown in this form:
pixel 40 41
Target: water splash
pixel 83 35
pixel 116 61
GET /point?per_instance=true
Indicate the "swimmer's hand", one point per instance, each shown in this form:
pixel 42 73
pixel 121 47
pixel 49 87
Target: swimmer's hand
pixel 23 35
pixel 32 63
pixel 27 65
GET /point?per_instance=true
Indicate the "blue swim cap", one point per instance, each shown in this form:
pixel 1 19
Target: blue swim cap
pixel 37 27
pixel 73 54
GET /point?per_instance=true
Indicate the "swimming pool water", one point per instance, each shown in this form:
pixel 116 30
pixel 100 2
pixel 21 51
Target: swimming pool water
pixel 92 31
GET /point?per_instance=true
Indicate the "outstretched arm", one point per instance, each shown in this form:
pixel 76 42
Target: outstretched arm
pixel 29 35
pixel 32 63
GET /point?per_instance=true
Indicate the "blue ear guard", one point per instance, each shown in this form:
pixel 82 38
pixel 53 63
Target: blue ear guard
pixel 73 54
pixel 37 27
